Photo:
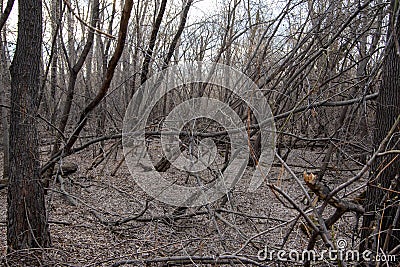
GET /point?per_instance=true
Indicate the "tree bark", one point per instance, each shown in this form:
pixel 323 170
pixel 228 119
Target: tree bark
pixel 27 225
pixel 381 204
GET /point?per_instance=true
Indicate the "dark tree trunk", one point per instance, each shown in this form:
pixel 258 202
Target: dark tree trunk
pixel 380 223
pixel 27 225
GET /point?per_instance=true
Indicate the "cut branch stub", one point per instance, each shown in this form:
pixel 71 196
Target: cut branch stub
pixel 322 191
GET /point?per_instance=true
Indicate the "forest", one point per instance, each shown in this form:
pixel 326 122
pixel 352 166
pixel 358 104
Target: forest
pixel 200 133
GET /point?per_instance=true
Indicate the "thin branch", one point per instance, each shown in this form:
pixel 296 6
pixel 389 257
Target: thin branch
pixel 368 164
pixel 86 24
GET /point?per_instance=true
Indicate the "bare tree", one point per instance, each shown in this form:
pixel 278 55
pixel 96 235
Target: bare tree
pixel 318 63
pixel 381 221
pixel 74 68
pixel 27 225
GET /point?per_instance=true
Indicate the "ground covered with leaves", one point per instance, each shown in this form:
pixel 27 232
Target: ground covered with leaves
pixel 100 218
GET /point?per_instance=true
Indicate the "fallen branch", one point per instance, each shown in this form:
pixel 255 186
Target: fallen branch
pixel 323 191
pixel 70 150
pixel 215 260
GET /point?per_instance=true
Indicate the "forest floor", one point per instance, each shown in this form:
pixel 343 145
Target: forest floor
pixel 110 222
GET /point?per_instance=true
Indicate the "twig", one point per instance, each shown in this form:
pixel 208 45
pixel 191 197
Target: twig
pixel 368 164
pixel 84 22
pixel 215 260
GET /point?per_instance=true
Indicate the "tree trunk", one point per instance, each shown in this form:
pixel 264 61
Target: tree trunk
pixel 74 71
pixel 27 225
pixel 4 96
pixel 55 11
pixel 152 42
pixel 382 204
